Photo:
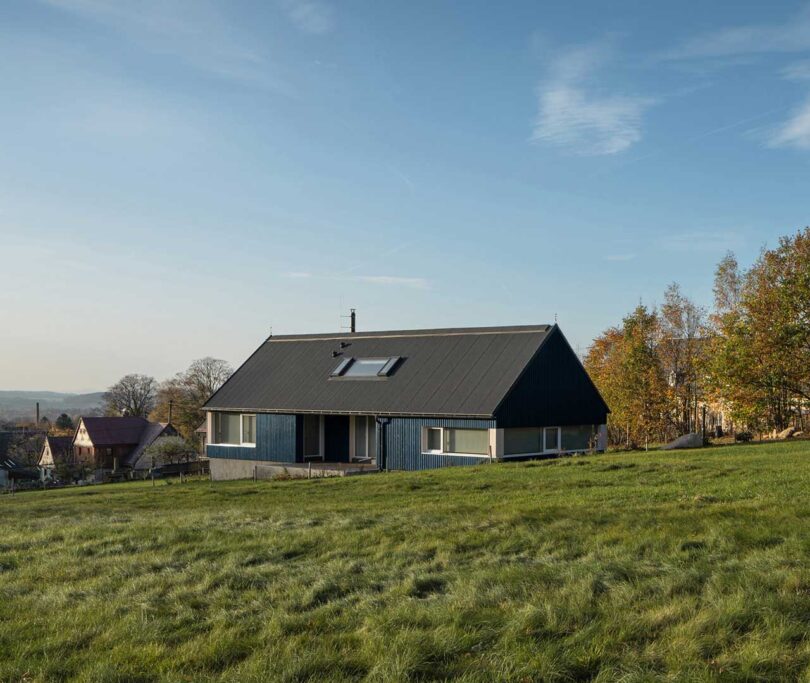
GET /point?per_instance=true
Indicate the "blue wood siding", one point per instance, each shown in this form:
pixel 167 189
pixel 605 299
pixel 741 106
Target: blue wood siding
pixel 403 443
pixel 275 441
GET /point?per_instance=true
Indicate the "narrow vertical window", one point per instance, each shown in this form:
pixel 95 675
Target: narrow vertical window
pixel 249 429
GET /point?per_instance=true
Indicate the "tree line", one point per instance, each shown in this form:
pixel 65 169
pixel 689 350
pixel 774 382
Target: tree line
pixel 143 396
pixel 747 359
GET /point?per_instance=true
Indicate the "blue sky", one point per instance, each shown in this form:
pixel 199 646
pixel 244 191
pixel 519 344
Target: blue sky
pixel 177 178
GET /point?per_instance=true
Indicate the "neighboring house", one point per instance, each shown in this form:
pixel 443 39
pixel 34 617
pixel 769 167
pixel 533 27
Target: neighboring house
pixel 405 400
pixel 57 450
pixel 202 434
pixel 117 444
pixel 13 472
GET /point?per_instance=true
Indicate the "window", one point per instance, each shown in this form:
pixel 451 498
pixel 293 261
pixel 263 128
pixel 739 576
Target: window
pixel 249 429
pixel 467 441
pixel 365 368
pixel 522 441
pixel 365 437
pixel 434 440
pixel 577 438
pixel 226 428
pixel 233 429
pixel 460 441
pixel 552 437
pixel 528 441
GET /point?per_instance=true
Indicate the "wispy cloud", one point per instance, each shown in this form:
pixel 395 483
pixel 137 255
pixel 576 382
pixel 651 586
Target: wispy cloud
pixel 798 71
pixel 702 241
pixel 412 282
pixel 795 132
pixel 580 117
pixel 789 36
pixel 197 32
pixel 309 16
pixel 384 280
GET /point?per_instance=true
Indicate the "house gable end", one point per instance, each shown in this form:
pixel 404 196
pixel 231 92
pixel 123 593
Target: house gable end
pixel 553 390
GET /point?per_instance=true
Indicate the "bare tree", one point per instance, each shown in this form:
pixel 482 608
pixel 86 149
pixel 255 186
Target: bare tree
pixel 188 391
pixel 132 395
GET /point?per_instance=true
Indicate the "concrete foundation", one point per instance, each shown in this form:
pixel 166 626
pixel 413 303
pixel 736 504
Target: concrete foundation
pixel 223 469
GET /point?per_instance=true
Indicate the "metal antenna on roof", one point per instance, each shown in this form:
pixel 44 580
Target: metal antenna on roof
pixel 352 321
pixel 555 318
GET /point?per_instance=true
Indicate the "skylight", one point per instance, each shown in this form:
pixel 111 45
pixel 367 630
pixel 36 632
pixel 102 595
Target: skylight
pixel 359 368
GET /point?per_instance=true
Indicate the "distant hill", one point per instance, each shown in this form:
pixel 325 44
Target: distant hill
pixel 16 404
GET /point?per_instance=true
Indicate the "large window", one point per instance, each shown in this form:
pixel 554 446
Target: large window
pixel 530 441
pixel 522 441
pixel 233 429
pixel 456 441
pixel 577 438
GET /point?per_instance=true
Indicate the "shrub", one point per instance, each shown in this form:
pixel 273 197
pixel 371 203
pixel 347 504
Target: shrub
pixel 744 437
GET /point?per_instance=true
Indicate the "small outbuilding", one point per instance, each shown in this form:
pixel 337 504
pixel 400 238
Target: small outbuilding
pixel 405 400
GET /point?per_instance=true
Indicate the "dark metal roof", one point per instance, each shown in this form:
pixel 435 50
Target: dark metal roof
pixel 449 372
pixel 60 444
pixel 115 431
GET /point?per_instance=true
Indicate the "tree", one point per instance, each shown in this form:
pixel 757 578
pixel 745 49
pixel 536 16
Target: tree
pixel 683 355
pixel 761 346
pixel 624 364
pixel 188 391
pixel 728 284
pixel 132 395
pixel 65 423
pixel 168 450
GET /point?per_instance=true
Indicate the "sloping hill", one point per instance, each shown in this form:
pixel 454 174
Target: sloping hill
pixel 680 566
pixel 15 404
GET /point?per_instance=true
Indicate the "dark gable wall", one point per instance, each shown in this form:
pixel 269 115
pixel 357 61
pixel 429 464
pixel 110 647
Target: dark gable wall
pixel 554 390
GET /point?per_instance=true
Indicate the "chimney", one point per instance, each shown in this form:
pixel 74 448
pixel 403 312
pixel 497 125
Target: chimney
pixel 171 406
pixel 37 413
pixel 353 324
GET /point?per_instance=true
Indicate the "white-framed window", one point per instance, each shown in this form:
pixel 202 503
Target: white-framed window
pixel 234 429
pixel 539 440
pixel 551 439
pixel 455 441
pixel 249 429
pixel 433 440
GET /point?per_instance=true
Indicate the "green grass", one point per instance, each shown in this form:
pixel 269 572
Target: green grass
pixel 689 566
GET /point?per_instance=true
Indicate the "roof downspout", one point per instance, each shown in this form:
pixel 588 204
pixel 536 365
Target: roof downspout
pixel 382 455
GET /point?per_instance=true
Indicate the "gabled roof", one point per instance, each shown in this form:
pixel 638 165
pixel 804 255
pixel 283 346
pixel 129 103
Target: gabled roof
pixel 152 431
pixel 115 431
pixel 457 372
pixel 59 444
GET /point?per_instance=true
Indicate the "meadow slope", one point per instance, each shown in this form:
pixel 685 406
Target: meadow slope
pixel 685 566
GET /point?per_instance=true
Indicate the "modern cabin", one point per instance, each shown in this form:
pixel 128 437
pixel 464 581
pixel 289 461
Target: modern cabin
pixel 404 400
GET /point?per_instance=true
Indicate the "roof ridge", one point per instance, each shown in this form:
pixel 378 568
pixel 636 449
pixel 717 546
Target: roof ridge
pixel 426 332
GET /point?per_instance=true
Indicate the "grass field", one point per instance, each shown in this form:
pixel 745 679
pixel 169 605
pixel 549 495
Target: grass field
pixel 686 566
